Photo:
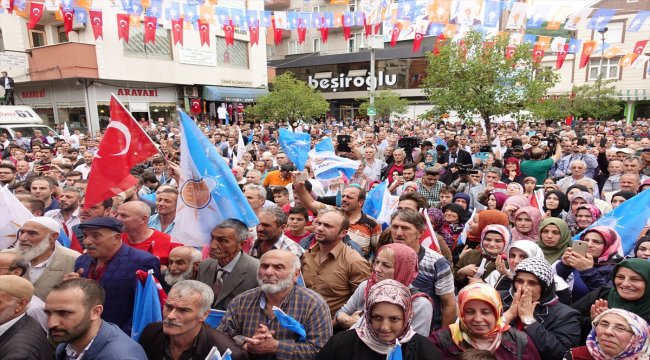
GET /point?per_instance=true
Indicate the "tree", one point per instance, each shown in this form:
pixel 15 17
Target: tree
pixel 290 99
pixel 387 103
pixel 473 76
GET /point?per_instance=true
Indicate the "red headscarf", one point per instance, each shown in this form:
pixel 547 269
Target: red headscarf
pixel 485 218
pixel 405 265
pixel 511 160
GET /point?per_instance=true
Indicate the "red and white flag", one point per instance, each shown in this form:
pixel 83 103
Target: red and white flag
pixel 68 15
pixel 394 35
pixel 35 13
pixel 255 32
pixel 367 27
pixel 97 22
pixel 195 106
pixel 124 145
pixel 324 31
pixel 538 53
pixel 302 31
pixel 429 239
pixel 123 21
pixel 420 30
pixel 150 24
pixel 561 55
pixel 177 31
pixel 587 48
pixel 277 33
pixel 347 30
pixel 510 52
pixel 436 45
pixel 639 46
pixel 229 31
pixel 569 120
pixel 204 32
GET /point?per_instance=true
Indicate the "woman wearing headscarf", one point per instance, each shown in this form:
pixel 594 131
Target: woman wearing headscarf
pixel 527 221
pixel 530 183
pixel 398 262
pixel 615 334
pixel 555 204
pixel 480 220
pixel 514 188
pixel 463 200
pixel 532 306
pixel 554 238
pixel 620 197
pixel 576 199
pixel 454 217
pixel 386 322
pixel 584 273
pixel 495 200
pixel 586 215
pixel 511 171
pixel 480 325
pixel 514 203
pixel 642 248
pixel 479 263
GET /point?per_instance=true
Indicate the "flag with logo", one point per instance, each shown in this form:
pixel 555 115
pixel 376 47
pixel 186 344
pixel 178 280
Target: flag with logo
pixel 327 165
pixel 600 19
pixel 96 21
pixel 214 354
pixel 295 146
pixel 14 215
pixel 35 14
pixel 208 191
pixel 638 21
pixel 146 308
pixel 289 323
pixel 429 239
pixel 375 198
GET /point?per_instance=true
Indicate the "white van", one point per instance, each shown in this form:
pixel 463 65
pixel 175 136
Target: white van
pixel 23 119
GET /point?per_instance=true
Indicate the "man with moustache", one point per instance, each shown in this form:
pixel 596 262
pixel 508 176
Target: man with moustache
pixel 183 265
pixel 68 212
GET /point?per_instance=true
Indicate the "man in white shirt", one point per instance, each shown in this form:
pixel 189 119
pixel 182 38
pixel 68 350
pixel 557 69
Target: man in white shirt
pixel 85 167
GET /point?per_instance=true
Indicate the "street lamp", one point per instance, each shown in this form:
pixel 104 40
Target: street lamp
pixel 375 42
pixel 600 65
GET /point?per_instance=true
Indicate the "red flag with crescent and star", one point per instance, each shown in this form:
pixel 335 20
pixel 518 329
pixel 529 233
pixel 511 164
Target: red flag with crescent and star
pixel 302 31
pixel 417 41
pixel 561 55
pixel 587 48
pixel 123 21
pixel 96 21
pixel 277 33
pixel 436 45
pixel 367 28
pixel 639 46
pixel 177 31
pixel 204 32
pixel 67 19
pixel 538 53
pixel 195 105
pixel 510 52
pixel 394 35
pixel 347 30
pixel 255 32
pixel 150 24
pixel 35 13
pixel 123 146
pixel 229 31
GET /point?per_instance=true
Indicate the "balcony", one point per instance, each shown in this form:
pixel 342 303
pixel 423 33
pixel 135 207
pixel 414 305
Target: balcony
pixel 63 61
pixel 276 4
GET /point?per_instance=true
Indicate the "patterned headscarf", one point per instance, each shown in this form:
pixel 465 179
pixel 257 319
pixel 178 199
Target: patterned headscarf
pixel 405 264
pixel 438 221
pixel 519 189
pixel 392 292
pixel 553 253
pixel 544 273
pixel 613 248
pixel 637 347
pixel 505 234
pixel 460 332
pixel 518 201
pixel 535 216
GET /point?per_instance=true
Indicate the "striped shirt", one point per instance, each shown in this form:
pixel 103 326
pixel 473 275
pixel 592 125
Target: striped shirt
pixel 434 278
pixel 246 311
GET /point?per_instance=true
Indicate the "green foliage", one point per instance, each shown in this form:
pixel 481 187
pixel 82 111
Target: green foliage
pixel 290 99
pixel 387 103
pixel 473 78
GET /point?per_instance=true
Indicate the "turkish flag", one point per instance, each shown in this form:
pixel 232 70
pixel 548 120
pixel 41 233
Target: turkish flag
pixel 510 52
pixel 367 28
pixel 277 33
pixel 463 48
pixel 67 19
pixel 569 119
pixel 561 55
pixel 324 31
pixel 150 24
pixel 302 31
pixel 10 9
pixel 177 31
pixel 538 53
pixel 587 48
pixel 255 32
pixel 436 45
pixel 394 34
pixel 97 23
pixel 229 30
pixel 123 146
pixel 346 29
pixel 204 32
pixel 123 21
pixel 35 13
pixel 195 105
pixel 639 46
pixel 417 41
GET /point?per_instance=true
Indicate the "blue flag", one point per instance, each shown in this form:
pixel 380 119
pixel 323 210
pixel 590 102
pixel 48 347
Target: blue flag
pixel 296 146
pixel 290 323
pixel 600 19
pixel 492 13
pixel 63 239
pixel 638 21
pixel 80 15
pixel 574 46
pixel 327 165
pixel 396 353
pixel 324 145
pixel 155 9
pixel 208 191
pixel 374 199
pixel 628 219
pixel 214 318
pixel 146 308
pixel 530 39
pixel 439 141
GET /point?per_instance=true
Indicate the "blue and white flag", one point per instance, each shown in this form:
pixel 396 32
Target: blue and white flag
pixel 214 318
pixel 295 146
pixel 324 145
pixel 492 13
pixel 375 199
pixel 600 19
pixel 628 219
pixel 637 22
pixel 214 354
pixel 439 141
pixel 208 191
pixel 146 308
pixel 327 165
pixel 395 353
pixel 290 323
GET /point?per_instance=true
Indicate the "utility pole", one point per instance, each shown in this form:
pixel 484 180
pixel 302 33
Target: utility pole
pixel 375 42
pixel 600 65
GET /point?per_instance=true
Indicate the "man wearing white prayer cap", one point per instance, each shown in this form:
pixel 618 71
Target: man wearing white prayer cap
pixel 48 260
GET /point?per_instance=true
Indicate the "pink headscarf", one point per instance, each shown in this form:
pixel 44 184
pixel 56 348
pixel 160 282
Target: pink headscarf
pixel 517 200
pixel 533 234
pixel 405 265
pixel 613 247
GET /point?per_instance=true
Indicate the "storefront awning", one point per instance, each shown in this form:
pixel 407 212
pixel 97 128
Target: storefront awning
pixel 232 94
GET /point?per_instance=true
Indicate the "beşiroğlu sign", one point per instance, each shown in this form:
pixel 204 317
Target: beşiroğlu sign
pixel 343 82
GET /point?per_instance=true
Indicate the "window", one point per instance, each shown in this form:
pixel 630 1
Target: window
pixel 293 47
pixel 317 45
pixel 609 68
pixel 270 51
pixel 61 35
pixel 613 35
pixel 356 42
pixel 318 9
pixel 235 56
pixel 352 6
pixel 37 36
pixel 161 49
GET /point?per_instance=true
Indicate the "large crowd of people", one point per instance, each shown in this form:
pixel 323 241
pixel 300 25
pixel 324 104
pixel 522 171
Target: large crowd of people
pixel 476 260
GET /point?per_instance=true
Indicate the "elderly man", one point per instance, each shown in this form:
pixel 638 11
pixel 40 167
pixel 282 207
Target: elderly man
pixel 12 263
pixel 75 309
pixel 250 319
pixel 48 261
pixel 183 333
pixel 229 271
pixel 256 197
pixel 22 337
pixel 134 215
pixel 183 265
pixel 270 234
pixel 578 169
pixel 113 264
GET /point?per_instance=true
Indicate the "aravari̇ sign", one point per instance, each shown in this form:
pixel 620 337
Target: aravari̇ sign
pixel 137 92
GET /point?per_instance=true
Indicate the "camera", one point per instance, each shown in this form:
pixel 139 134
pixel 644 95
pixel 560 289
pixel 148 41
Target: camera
pixel 463 169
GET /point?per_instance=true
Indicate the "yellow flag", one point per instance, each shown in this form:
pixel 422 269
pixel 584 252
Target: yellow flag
pixel 627 60
pixel 612 52
pixel 438 11
pixel 134 21
pixel 206 12
pixel 544 42
pixel 86 4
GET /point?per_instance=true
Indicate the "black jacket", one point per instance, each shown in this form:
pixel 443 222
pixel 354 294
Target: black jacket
pixel 346 345
pixel 25 340
pixel 11 82
pixel 464 158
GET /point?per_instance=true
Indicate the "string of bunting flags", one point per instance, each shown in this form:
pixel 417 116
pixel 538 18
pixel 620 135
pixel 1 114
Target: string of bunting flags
pixel 444 19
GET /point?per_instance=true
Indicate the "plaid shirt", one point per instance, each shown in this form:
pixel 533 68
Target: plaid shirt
pixel 432 195
pixel 246 311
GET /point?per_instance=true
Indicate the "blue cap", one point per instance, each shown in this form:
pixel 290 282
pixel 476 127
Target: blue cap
pixel 103 222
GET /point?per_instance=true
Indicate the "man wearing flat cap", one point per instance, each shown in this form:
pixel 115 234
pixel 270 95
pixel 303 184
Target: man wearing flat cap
pixel 21 337
pixel 48 260
pixel 113 264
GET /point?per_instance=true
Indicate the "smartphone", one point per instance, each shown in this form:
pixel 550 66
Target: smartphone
pixel 484 156
pixel 343 143
pixel 580 247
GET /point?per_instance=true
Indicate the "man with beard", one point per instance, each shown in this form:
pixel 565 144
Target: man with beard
pixel 48 261
pixel 43 187
pixel 22 337
pixel 251 322
pixel 74 310
pixel 183 265
pixel 270 234
pixel 183 333
pixel 68 212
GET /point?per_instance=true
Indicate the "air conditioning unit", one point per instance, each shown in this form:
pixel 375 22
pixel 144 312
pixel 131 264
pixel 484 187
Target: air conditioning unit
pixel 78 25
pixel 190 91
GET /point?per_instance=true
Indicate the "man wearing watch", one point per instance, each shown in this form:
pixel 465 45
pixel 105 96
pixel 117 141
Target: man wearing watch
pixel 532 306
